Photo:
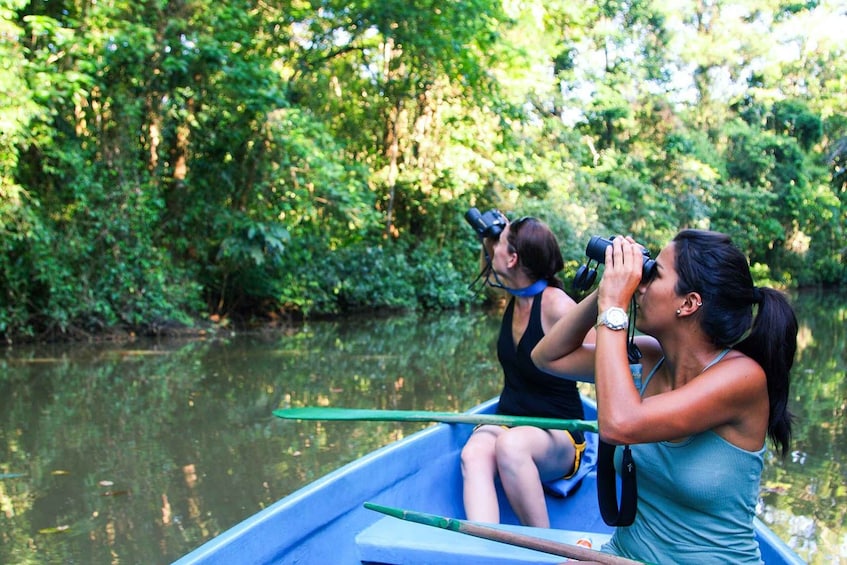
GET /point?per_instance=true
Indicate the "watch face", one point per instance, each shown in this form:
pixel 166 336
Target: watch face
pixel 616 318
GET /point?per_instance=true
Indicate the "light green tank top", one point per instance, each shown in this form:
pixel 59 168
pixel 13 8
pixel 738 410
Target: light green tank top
pixel 696 501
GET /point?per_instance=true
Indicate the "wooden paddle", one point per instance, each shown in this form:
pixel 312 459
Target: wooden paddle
pixel 330 413
pixel 503 536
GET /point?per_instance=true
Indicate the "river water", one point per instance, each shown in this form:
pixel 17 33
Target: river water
pixel 139 452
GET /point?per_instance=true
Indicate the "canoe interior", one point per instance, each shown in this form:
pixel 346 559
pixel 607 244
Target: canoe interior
pixel 325 521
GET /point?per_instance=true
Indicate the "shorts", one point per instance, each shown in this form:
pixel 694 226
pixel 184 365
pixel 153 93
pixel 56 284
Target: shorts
pixel 579 449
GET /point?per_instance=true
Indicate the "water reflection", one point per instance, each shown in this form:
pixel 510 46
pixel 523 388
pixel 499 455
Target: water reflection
pixel 804 497
pixel 137 453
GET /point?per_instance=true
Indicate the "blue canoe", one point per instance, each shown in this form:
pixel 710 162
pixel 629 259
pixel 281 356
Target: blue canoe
pixel 326 521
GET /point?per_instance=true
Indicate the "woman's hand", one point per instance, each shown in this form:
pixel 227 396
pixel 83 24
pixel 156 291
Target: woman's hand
pixel 622 273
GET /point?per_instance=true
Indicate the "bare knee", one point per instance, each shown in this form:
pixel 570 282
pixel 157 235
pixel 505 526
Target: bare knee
pixel 510 453
pixel 477 455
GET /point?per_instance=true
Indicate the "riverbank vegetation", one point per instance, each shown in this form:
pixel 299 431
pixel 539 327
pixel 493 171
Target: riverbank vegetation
pixel 168 162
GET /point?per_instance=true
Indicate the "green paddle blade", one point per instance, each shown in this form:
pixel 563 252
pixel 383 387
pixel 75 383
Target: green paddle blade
pixel 330 413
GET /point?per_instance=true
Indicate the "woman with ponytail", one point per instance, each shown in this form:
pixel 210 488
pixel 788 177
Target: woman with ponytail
pixel 716 352
pixel 525 260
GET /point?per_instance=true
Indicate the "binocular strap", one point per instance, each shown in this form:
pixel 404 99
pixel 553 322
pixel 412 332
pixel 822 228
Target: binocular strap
pixel 607 488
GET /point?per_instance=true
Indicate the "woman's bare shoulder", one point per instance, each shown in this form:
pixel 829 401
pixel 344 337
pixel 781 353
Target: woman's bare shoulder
pixel 555 303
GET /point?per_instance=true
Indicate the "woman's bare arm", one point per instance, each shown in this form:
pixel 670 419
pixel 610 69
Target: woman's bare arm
pixel 563 351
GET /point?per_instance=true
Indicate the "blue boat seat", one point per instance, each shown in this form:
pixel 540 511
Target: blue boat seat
pixel 395 541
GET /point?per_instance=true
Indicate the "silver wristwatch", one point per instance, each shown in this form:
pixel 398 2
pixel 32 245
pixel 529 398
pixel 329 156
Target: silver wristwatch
pixel 614 318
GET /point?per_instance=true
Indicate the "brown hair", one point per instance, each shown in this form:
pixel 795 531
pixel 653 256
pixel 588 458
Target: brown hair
pixel 538 250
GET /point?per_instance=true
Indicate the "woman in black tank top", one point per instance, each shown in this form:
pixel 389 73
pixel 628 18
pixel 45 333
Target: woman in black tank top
pixel 524 262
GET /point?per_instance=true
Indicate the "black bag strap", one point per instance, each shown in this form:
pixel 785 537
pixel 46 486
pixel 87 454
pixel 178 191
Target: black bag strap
pixel 607 488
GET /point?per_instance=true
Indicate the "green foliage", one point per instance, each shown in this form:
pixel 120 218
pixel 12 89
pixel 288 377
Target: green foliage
pixel 371 277
pixel 247 160
pixel 246 262
pixel 794 118
pixel 745 215
pixel 253 246
pixel 629 203
pixel 367 277
pixel 438 283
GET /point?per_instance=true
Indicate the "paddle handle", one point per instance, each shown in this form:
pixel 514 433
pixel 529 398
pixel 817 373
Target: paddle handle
pixel 544 545
pixel 495 534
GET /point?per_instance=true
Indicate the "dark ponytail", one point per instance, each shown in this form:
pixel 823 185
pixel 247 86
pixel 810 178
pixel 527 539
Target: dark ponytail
pixel 772 343
pixel 708 263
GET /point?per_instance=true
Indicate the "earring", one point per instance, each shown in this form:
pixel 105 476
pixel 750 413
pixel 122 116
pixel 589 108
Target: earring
pixel 699 304
pixel 678 311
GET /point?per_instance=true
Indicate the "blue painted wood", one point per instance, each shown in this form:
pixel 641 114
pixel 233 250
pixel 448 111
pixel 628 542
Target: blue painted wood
pixel 390 540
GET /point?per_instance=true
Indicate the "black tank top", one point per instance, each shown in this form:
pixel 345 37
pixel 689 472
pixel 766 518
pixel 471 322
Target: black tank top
pixel 529 391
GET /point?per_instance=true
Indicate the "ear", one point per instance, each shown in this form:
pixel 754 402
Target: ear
pixel 512 261
pixel 691 304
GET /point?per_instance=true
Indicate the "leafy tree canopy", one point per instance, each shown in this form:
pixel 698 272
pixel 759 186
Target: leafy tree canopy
pixel 166 162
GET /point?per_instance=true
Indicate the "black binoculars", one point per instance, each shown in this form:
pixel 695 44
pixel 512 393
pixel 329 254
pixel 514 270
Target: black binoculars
pixel 596 251
pixel 489 224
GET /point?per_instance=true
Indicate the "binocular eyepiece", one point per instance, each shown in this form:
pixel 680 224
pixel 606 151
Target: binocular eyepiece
pixel 490 224
pixel 596 251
